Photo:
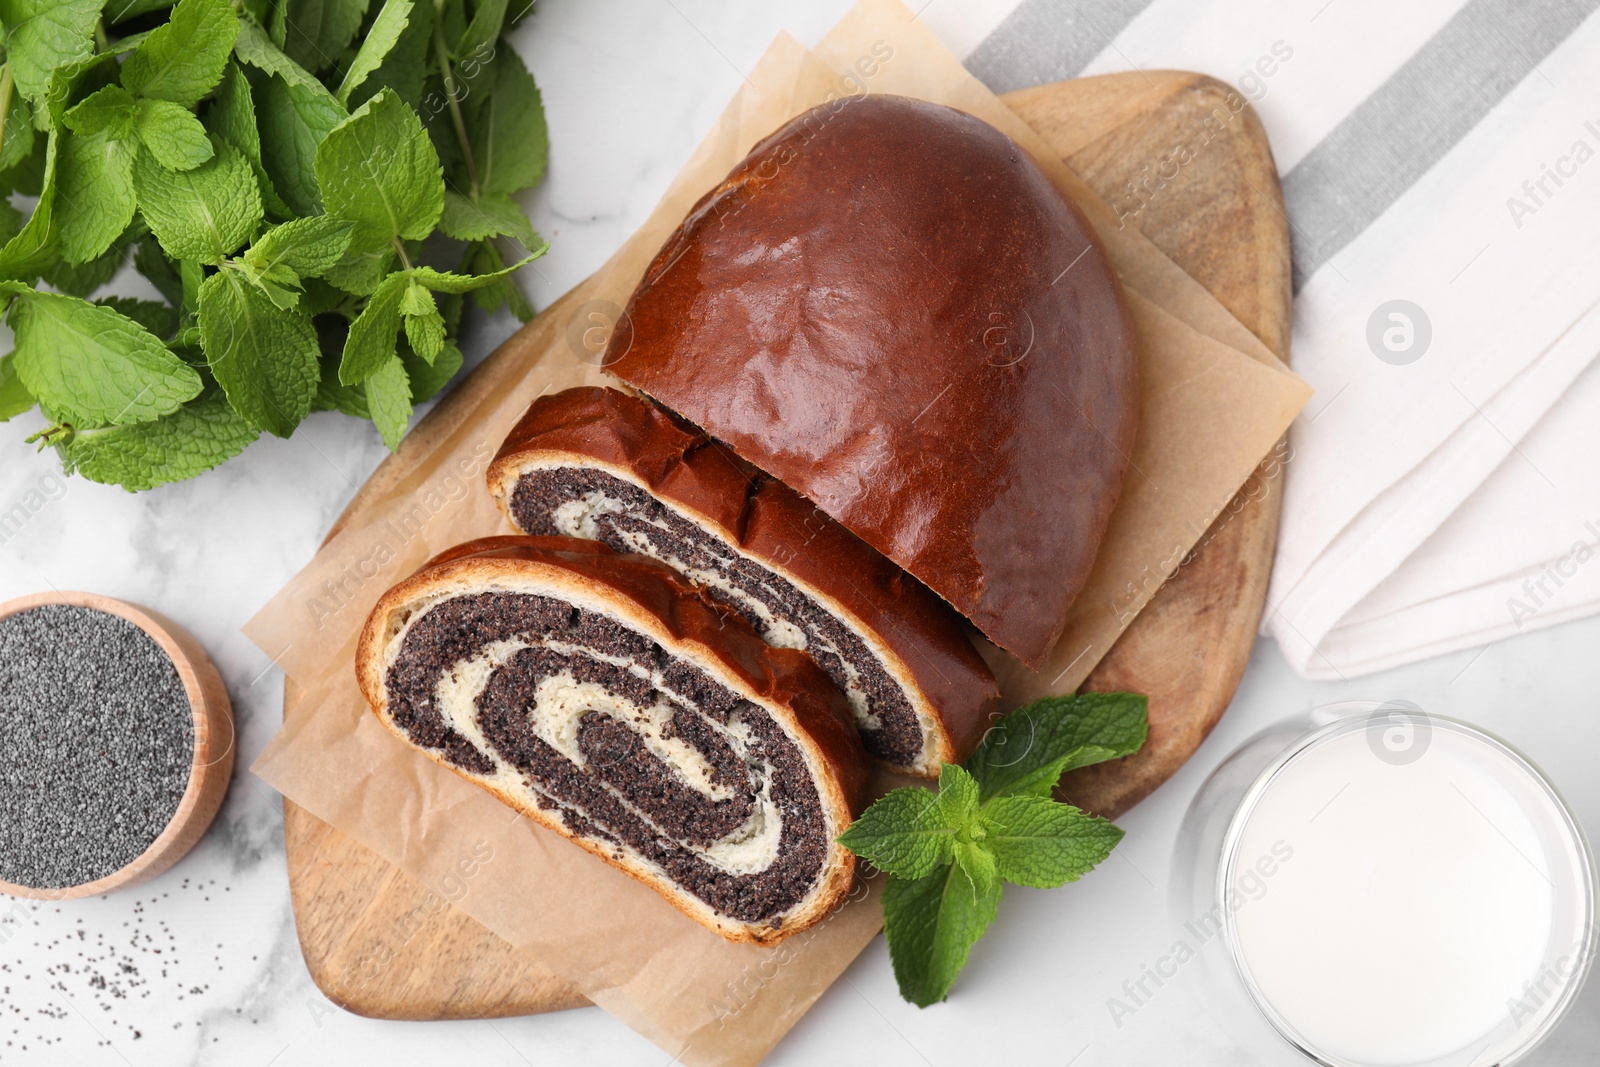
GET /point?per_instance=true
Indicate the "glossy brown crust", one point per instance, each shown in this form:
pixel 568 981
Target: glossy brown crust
pixel 656 595
pixel 888 306
pixel 776 526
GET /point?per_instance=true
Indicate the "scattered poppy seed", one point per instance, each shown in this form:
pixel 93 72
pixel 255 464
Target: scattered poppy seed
pixel 96 742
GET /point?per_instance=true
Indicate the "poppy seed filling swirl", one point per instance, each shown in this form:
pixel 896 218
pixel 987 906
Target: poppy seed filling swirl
pixel 632 747
pixel 589 503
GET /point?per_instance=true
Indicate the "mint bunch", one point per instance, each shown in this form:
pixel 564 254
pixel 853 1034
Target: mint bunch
pixel 947 854
pixel 313 187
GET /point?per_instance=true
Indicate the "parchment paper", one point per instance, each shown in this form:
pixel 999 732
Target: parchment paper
pixel 1215 402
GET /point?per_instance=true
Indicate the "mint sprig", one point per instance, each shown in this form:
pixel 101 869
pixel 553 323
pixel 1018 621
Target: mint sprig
pixel 312 185
pixel 947 854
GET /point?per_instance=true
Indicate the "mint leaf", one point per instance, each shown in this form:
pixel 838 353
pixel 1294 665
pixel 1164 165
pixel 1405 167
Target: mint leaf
pixel 1037 842
pixel 94 179
pixel 424 324
pixel 294 122
pixel 484 259
pixel 477 42
pixel 71 80
pixel 360 271
pixel 1027 752
pixel 389 400
pixel 305 246
pixel 42 35
pixel 381 38
pixel 427 379
pixel 296 113
pixel 190 441
pixel 506 126
pixel 92 366
pixel 191 276
pixel 280 260
pixel 958 796
pixel 18 133
pixel 182 60
pixel 425 334
pixel 32 249
pixel 416 300
pixel 977 864
pixel 910 831
pixel 96 194
pixel 201 214
pixel 931 924
pixel 232 117
pixel 444 282
pixel 314 32
pixel 379 170
pixel 173 134
pixel 265 358
pixel 14 396
pixel 991 822
pixel 280 285
pixel 371 342
pixel 254 48
pixel 108 109
pixel 405 68
pixel 123 45
pixel 903 833
pixel 491 215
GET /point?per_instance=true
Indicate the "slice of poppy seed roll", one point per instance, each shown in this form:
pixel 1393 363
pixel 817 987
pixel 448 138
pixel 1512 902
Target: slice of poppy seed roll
pixel 602 464
pixel 606 698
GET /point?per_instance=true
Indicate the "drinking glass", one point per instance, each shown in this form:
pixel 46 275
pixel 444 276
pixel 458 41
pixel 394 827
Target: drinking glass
pixel 1372 885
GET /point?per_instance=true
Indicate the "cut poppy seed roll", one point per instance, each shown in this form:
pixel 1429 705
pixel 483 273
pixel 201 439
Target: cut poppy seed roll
pixel 889 306
pixel 608 700
pixel 602 464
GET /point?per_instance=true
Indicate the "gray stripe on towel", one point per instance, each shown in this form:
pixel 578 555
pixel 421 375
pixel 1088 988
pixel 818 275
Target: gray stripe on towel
pixel 1395 135
pixel 1049 41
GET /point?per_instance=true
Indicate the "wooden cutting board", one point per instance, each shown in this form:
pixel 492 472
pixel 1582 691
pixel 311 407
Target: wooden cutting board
pixel 1172 153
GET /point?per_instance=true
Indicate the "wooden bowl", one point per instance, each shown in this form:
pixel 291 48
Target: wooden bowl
pixel 212 762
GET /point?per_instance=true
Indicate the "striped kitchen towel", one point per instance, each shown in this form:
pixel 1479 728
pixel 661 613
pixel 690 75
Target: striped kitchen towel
pixel 1441 171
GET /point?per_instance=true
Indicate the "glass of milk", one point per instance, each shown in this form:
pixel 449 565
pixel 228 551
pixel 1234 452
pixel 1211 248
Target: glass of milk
pixel 1375 886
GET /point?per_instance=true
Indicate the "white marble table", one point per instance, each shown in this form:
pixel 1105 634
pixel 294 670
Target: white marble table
pixel 202 965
